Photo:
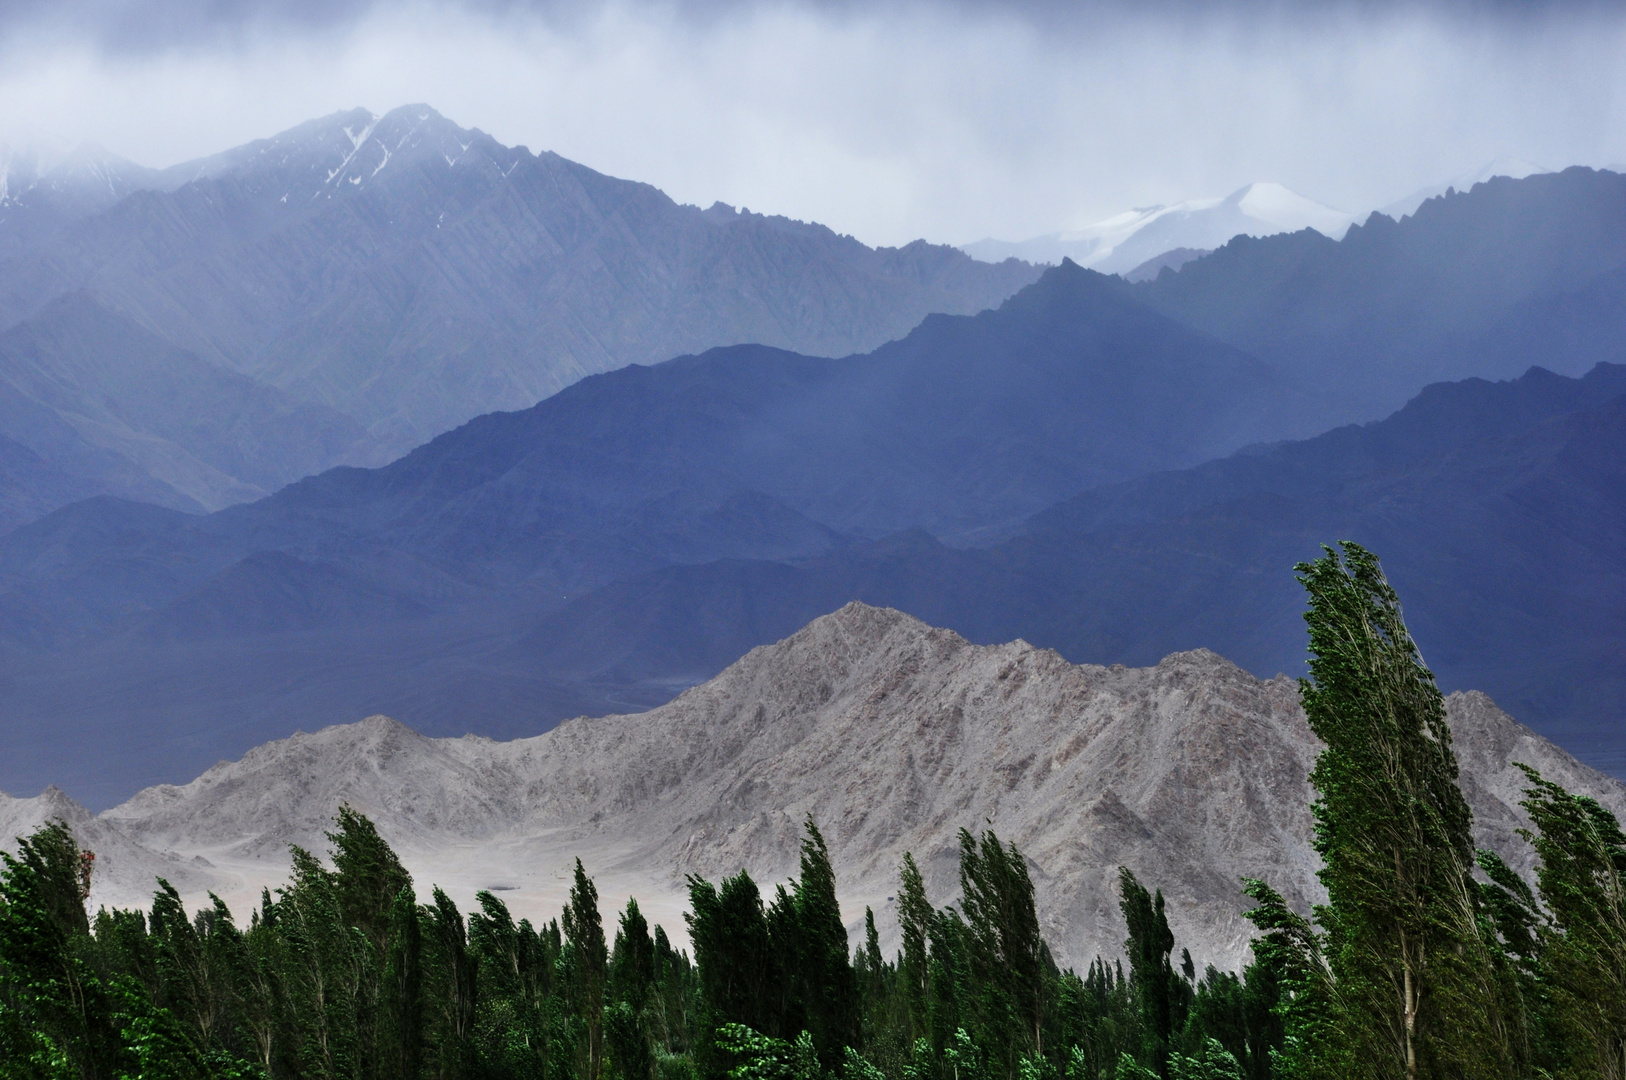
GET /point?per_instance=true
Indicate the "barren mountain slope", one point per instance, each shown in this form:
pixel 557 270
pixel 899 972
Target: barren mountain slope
pixel 893 736
pixel 125 869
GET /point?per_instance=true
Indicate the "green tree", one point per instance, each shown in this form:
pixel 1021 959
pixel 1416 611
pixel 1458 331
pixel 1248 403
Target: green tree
pixel 400 1041
pixel 1416 989
pixel 738 972
pixel 451 988
pixel 823 980
pixel 762 1057
pixel 632 960
pixel 368 877
pixel 632 985
pixel 55 1014
pixel 1151 975
pixel 1007 953
pixel 1582 954
pixel 914 964
pixel 584 931
pixel 325 971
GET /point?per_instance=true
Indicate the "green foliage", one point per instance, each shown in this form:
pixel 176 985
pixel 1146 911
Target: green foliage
pixel 1007 956
pixel 822 980
pixel 914 965
pixel 1416 986
pixel 586 961
pixel 368 878
pixel 761 1057
pixel 1159 992
pixel 57 1015
pixel 451 990
pixel 1580 956
pixel 1213 1062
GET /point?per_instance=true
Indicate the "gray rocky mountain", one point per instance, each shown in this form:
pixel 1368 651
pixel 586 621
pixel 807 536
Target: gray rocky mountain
pixel 892 735
pixel 412 274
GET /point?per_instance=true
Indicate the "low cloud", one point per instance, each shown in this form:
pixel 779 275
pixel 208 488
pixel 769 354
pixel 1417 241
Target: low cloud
pixel 891 121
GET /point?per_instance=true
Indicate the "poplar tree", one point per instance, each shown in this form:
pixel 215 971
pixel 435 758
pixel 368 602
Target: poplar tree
pixel 914 963
pixel 824 979
pixel 632 979
pixel 401 995
pixel 454 994
pixel 1414 981
pixel 739 974
pixel 584 930
pixel 368 876
pixel 1582 951
pixel 1007 952
pixel 1151 976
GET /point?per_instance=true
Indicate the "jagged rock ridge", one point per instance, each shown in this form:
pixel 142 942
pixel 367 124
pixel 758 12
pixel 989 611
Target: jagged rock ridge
pixel 893 736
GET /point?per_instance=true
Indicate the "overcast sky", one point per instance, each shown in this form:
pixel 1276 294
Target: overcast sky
pixel 889 120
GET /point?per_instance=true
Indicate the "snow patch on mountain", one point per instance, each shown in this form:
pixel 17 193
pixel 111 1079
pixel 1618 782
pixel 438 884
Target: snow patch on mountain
pixel 1125 241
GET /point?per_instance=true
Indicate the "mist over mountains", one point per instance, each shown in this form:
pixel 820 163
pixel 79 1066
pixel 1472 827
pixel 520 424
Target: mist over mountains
pixel 1500 508
pixel 1114 470
pixel 399 275
pixel 1125 242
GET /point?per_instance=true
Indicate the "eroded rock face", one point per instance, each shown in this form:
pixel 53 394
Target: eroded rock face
pixel 893 736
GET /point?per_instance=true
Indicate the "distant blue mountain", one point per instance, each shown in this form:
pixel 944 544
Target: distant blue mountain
pixel 1499 510
pixel 412 274
pixel 1037 471
pixel 965 427
pixel 1479 283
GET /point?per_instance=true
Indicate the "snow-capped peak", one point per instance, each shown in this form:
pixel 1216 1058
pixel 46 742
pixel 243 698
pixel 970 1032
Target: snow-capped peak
pixel 1124 241
pixel 1288 211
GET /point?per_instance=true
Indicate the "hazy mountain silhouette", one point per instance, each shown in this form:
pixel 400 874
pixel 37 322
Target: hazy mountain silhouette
pixel 413 274
pixel 1499 510
pixel 966 426
pixel 1395 305
pixel 100 399
pixel 642 528
pixel 39 200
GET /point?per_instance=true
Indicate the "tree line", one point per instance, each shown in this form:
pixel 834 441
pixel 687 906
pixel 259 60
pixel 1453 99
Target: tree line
pixel 1428 959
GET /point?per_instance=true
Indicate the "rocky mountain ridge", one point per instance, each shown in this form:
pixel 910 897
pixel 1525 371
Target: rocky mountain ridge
pixel 891 734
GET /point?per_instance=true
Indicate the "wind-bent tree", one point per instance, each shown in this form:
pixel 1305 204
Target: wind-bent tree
pixel 914 963
pixel 584 932
pixel 1157 988
pixel 1416 992
pixel 823 976
pixel 1582 951
pixel 1007 954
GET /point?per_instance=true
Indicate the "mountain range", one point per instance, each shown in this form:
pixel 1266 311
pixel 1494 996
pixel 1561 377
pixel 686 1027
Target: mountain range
pixel 1035 470
pixel 391 277
pixel 892 735
pixel 966 425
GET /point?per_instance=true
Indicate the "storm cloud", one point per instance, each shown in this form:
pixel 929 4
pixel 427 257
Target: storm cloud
pixel 894 120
